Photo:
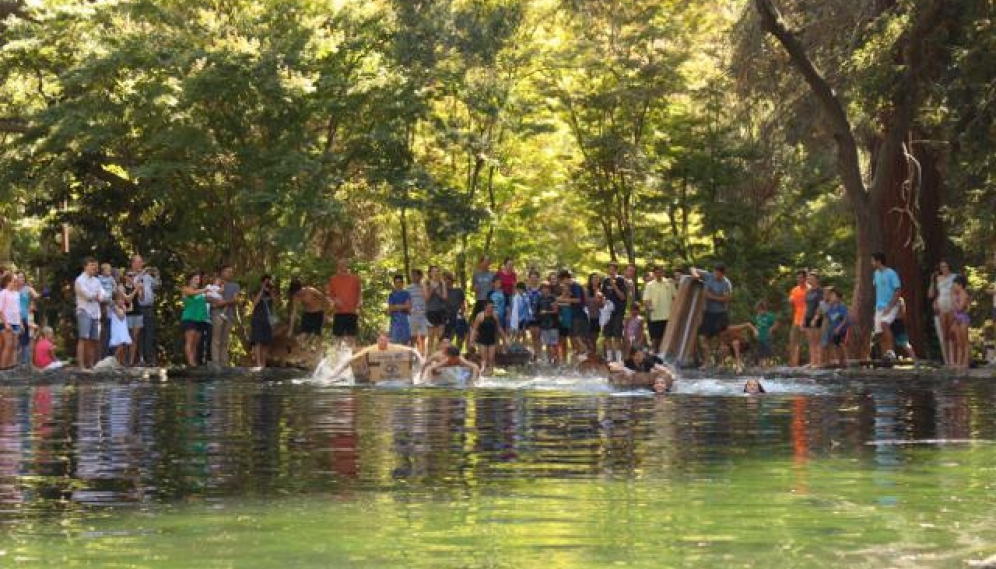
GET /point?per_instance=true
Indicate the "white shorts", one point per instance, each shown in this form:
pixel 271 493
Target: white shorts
pixel 885 317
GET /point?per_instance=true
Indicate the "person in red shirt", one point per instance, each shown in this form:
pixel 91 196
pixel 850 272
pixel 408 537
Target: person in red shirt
pixel 344 291
pixel 797 300
pixel 45 352
pixel 508 278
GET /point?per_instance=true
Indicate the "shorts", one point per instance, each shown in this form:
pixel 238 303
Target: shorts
pixel 714 323
pixel 579 327
pixel 594 329
pixel 15 329
pixel 656 328
pixel 436 317
pixel 550 337
pixel 613 328
pixel 313 322
pixel 814 323
pixel 135 321
pixel 87 327
pixel 345 325
pixel 838 339
pixel 564 332
pixel 885 317
pixel 764 349
pixel 419 325
pixel 188 325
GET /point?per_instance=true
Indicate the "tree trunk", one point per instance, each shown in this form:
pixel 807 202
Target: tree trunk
pixel 868 237
pixel 932 231
pixel 900 235
pixel 404 241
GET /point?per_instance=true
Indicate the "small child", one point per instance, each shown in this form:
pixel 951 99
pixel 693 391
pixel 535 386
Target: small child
pixel 522 314
pixel 633 330
pixel 764 325
pixel 549 322
pixel 45 351
pixel 120 340
pixel 497 297
pixel 107 282
pixel 900 337
pixel 212 292
pixel 836 314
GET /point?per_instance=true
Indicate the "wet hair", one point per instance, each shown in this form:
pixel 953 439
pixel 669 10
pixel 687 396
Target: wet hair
pixel 294 286
pixel 760 387
pixel 453 351
pixel 879 256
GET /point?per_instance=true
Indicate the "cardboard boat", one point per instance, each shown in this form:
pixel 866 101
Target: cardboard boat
pixel 384 365
pixel 680 338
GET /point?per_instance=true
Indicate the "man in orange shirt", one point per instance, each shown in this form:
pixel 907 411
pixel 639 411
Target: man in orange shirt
pixel 797 299
pixel 345 294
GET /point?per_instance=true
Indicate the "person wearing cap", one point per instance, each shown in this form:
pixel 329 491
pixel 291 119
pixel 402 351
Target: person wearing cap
pixel 718 294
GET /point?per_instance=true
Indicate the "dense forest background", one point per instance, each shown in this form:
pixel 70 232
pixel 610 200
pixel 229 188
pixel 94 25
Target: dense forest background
pixel 278 135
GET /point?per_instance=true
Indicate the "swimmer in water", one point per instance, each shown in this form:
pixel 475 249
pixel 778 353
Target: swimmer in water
pixel 452 359
pixel 753 387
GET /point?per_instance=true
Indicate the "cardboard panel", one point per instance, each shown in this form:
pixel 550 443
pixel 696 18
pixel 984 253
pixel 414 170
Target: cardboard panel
pixel 680 338
pixel 383 365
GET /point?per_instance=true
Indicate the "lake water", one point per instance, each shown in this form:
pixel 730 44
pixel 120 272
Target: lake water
pixel 523 472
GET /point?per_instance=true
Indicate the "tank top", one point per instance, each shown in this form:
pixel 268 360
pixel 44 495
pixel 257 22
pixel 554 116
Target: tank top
pixel 436 302
pixel 135 309
pixel 195 308
pixel 487 331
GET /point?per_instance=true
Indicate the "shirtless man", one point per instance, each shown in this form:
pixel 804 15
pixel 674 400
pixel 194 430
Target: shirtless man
pixel 371 353
pixel 313 304
pixel 451 359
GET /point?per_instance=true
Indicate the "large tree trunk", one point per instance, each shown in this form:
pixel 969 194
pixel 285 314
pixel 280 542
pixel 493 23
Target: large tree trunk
pixel 933 233
pixel 900 235
pixel 868 240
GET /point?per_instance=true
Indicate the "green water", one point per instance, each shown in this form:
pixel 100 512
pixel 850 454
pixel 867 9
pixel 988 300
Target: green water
pixel 232 474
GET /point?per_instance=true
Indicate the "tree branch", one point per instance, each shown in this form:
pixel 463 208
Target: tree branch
pixel 848 164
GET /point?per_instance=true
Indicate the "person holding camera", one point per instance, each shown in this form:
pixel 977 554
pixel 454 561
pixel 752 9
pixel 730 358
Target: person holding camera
pixel 148 280
pixel 264 318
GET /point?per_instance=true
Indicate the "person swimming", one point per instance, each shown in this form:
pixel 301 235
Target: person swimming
pixel 753 387
pixel 452 359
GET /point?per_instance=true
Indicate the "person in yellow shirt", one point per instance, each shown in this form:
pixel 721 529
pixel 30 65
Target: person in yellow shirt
pixel 658 297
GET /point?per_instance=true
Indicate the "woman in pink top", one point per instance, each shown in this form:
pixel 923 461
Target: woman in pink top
pixel 10 314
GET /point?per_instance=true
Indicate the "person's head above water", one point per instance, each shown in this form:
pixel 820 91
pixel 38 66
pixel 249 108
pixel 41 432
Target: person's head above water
pixel 661 384
pixel 753 387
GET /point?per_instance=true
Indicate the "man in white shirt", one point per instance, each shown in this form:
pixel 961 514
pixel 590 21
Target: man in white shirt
pixel 658 296
pixel 89 295
pixel 148 280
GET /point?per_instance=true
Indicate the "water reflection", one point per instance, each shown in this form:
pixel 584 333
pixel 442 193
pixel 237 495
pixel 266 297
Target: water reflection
pixel 65 447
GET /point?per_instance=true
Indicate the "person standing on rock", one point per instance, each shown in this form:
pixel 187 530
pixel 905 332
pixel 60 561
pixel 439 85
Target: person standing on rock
pixel 887 290
pixel 344 290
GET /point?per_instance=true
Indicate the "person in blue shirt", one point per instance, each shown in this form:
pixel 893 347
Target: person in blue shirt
pixel 836 314
pixel 399 306
pixel 887 289
pixel 498 298
pixel 715 321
